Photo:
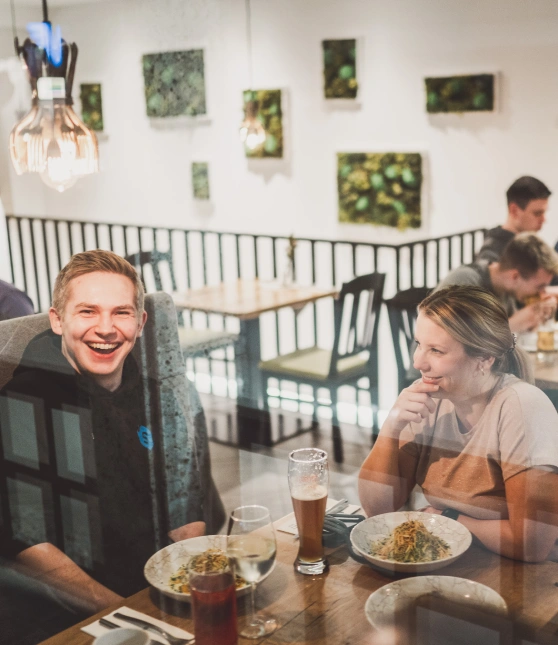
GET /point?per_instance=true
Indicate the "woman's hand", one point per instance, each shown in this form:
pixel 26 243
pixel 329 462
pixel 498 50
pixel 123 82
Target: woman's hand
pixel 430 509
pixel 414 404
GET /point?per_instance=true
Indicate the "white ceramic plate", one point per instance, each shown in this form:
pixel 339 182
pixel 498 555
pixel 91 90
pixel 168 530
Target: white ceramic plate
pixel 381 605
pixel 167 561
pixel 379 527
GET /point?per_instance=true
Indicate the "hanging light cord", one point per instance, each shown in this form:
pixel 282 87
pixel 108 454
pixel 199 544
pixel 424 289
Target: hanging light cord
pixel 249 40
pixel 45 11
pixel 14 30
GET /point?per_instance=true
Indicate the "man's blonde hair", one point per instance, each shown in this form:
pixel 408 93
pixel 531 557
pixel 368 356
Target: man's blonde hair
pixel 528 253
pixel 89 262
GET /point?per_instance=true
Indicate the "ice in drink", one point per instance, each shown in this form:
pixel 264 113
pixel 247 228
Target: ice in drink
pixel 309 503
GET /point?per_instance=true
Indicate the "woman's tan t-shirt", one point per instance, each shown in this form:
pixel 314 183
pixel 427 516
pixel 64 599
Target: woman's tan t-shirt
pixel 467 471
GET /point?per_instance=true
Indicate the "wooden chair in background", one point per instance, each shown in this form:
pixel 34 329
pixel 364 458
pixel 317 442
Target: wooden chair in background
pixel 354 354
pixel 402 312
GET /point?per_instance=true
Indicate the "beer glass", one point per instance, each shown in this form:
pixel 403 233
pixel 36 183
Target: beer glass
pixel 308 481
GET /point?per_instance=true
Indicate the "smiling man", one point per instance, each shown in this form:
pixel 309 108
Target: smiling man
pixel 99 316
pixel 102 503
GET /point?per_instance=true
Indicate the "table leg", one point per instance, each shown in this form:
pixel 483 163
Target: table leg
pixel 253 420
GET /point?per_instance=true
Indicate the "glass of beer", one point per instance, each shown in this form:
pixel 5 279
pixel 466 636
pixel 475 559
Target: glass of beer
pixel 308 481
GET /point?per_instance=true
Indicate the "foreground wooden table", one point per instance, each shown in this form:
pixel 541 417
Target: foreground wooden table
pixel 247 300
pixel 330 608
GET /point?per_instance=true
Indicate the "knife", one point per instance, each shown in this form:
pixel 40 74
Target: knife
pixel 336 508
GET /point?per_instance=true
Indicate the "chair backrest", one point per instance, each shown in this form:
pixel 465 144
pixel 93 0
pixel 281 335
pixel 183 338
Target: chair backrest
pixel 15 335
pixel 356 327
pixel 402 312
pixel 154 259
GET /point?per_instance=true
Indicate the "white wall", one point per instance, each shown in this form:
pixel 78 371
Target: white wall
pixel 470 159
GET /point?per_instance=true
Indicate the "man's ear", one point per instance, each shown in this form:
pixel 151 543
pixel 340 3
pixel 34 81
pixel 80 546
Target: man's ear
pixel 141 324
pixel 514 274
pixel 55 321
pixel 514 210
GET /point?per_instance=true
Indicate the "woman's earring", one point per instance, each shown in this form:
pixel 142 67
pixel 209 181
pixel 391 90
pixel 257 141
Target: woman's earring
pixel 482 370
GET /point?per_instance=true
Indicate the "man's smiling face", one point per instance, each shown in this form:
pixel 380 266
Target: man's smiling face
pixel 99 325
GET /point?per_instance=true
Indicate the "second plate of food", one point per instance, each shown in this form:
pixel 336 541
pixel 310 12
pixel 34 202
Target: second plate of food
pixel 166 569
pixel 410 541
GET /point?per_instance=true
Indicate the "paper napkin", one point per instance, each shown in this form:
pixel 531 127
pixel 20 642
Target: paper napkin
pixel 287 524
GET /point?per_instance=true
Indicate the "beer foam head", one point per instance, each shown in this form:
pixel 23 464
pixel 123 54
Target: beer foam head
pixel 308 493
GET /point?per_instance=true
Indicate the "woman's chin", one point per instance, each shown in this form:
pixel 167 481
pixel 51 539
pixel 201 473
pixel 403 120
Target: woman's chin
pixel 440 394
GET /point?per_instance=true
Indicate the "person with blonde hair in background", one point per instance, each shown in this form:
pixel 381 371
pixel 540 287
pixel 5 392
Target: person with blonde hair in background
pixel 473 432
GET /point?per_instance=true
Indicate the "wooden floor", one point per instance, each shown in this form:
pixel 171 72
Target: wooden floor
pixel 260 476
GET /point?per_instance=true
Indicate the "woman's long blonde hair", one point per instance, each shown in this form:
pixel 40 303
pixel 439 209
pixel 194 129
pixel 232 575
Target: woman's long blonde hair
pixel 476 319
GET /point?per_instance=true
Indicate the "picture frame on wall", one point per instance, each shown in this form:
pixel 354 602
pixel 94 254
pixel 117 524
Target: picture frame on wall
pixel 92 106
pixel 384 187
pixel 200 180
pixel 462 92
pixel 271 115
pixel 341 62
pixel 175 86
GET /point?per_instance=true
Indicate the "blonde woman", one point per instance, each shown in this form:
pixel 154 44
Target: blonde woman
pixel 474 433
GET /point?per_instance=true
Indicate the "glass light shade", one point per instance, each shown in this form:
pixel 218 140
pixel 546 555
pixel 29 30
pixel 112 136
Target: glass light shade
pixel 53 141
pixel 252 132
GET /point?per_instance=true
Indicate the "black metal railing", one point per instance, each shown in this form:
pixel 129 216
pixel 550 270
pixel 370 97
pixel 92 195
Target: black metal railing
pixel 40 247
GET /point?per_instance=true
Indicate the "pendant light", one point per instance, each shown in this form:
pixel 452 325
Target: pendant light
pixel 51 139
pixel 252 132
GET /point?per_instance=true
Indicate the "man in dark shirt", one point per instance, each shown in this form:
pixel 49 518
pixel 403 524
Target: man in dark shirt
pixel 525 269
pixel 527 204
pixel 74 414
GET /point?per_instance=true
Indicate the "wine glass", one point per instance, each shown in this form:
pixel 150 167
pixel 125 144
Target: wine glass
pixel 252 546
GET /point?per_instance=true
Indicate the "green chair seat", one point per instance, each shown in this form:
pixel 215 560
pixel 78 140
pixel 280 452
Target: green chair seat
pixel 314 364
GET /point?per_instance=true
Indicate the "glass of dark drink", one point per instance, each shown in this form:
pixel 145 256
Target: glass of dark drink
pixel 308 481
pixel 214 606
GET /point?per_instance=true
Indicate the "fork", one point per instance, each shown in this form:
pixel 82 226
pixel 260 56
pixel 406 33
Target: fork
pixel 173 640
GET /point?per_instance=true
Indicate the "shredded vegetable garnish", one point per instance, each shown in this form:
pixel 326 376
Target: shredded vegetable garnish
pixel 411 542
pixel 209 561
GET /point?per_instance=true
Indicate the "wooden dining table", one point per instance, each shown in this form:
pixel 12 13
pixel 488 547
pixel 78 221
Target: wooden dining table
pixel 330 608
pixel 247 300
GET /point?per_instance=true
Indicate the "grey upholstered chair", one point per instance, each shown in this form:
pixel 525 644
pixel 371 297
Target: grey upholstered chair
pixel 173 410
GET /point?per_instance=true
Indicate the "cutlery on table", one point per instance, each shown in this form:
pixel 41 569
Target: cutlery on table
pixel 336 508
pixel 106 623
pixel 173 640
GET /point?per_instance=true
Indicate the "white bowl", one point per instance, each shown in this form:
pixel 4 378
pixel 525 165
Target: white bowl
pixel 163 564
pixel 382 605
pixel 379 527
